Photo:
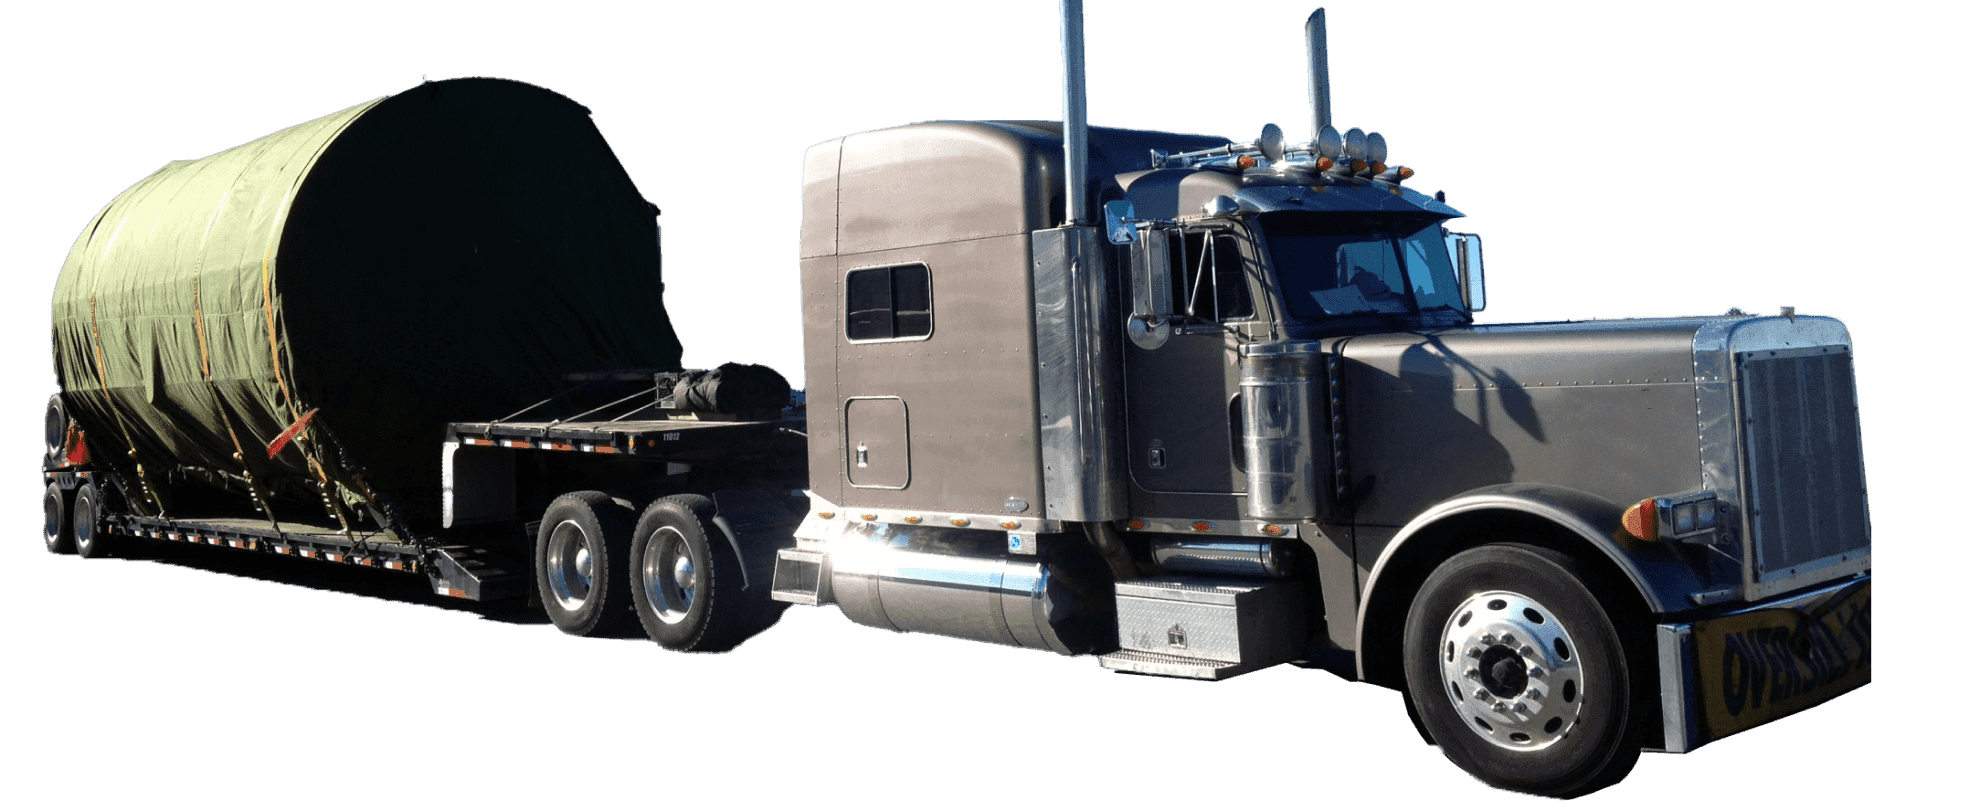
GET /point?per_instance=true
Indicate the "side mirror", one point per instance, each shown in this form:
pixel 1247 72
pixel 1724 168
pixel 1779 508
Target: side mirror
pixel 1148 323
pixel 1120 221
pixel 1468 258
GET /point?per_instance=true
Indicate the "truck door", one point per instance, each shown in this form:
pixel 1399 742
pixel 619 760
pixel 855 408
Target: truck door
pixel 1181 393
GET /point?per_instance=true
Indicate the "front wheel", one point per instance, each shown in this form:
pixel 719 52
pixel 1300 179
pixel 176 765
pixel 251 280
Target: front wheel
pixel 1519 672
pixel 687 590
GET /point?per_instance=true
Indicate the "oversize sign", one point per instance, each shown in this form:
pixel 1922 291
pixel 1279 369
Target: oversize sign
pixel 1754 667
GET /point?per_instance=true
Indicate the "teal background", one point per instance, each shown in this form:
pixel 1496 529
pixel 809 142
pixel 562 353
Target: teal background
pixel 1620 160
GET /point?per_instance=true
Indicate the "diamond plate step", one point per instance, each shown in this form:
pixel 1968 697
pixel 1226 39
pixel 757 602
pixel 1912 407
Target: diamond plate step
pixel 1167 665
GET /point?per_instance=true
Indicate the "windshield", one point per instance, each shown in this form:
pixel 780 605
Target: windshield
pixel 1332 264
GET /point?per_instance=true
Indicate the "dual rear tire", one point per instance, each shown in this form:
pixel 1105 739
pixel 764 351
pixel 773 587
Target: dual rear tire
pixel 671 572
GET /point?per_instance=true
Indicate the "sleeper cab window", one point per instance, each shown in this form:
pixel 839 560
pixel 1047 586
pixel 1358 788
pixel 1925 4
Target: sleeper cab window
pixel 888 303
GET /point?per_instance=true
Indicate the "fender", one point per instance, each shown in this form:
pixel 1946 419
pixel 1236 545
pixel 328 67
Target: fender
pixel 1663 580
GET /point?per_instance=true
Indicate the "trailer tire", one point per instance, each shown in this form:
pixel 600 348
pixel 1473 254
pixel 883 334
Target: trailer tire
pixel 84 522
pixel 1520 673
pixel 580 549
pixel 56 531
pixel 56 429
pixel 687 585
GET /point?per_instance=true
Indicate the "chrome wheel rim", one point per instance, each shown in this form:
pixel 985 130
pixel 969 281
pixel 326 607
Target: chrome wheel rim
pixel 82 524
pixel 666 571
pixel 568 565
pixel 1511 671
pixel 52 507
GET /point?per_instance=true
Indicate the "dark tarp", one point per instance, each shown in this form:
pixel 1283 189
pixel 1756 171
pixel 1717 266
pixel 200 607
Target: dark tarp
pixel 448 253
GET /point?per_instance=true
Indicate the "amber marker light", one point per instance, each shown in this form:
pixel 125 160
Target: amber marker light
pixel 1247 161
pixel 1323 163
pixel 912 520
pixel 826 514
pixel 1273 530
pixel 959 522
pixel 1378 166
pixel 1405 172
pixel 869 516
pixel 1008 525
pixel 1641 520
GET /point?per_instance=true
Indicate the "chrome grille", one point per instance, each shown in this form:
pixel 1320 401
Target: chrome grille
pixel 1804 459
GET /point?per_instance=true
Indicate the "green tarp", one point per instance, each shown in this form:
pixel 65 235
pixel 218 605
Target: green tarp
pixel 451 253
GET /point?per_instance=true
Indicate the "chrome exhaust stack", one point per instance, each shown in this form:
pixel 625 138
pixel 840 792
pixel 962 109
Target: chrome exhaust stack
pixel 1316 55
pixel 1073 34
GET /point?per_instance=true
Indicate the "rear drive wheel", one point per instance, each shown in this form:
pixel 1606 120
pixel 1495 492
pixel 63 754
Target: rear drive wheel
pixel 83 533
pixel 55 532
pixel 580 550
pixel 687 588
pixel 1519 672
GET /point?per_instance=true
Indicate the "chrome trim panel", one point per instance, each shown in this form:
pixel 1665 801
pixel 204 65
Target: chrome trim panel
pixel 1276 391
pixel 1079 401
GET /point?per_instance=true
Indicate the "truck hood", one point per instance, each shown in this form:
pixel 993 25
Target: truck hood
pixel 1605 407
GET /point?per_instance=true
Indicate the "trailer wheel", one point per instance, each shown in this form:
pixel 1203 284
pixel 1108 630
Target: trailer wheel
pixel 1519 673
pixel 55 532
pixel 580 549
pixel 56 427
pixel 83 533
pixel 687 588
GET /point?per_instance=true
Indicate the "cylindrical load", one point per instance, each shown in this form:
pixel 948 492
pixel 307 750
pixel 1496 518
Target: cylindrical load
pixel 353 283
pixel 1275 395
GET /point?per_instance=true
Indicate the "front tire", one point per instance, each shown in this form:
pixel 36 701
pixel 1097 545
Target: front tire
pixel 580 550
pixel 55 531
pixel 1520 673
pixel 687 590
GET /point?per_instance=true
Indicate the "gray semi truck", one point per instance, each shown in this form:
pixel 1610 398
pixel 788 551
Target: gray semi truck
pixel 1192 406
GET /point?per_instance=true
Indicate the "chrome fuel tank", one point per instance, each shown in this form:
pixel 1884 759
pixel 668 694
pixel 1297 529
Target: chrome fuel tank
pixel 959 583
